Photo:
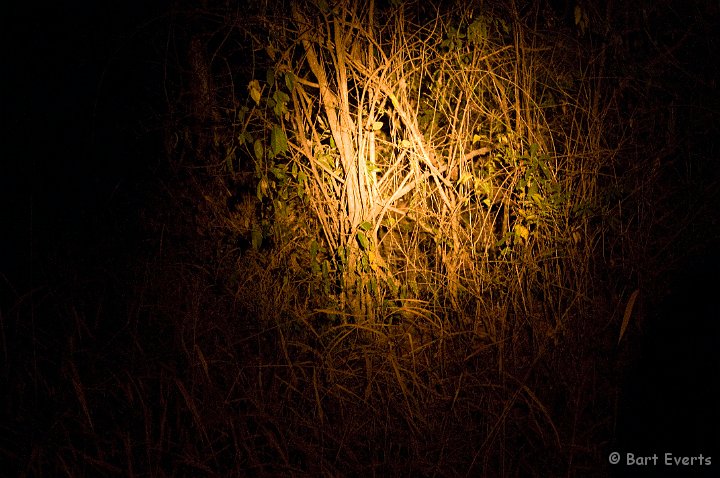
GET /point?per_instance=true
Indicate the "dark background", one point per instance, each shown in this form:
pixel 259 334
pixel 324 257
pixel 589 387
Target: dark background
pixel 82 107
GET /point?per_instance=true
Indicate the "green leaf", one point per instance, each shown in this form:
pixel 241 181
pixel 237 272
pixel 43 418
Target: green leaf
pixel 281 96
pixel 538 199
pixel 533 149
pixel 342 255
pixel 313 248
pixel 477 31
pixel 532 189
pixel 262 189
pixel 505 26
pixel 255 92
pixel 278 141
pixel 372 168
pixel 364 263
pixel 544 168
pixel 270 76
pixel 280 103
pixel 363 240
pixel 241 114
pixel 521 231
pixel 290 81
pixel 256 237
pixel 365 226
pixel 278 172
pixel 271 51
pixel 259 149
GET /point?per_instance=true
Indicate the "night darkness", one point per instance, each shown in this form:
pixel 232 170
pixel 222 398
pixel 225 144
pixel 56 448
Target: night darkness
pixel 80 98
pixel 105 275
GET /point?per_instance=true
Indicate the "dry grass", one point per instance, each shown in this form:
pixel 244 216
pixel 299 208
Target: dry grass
pixel 474 333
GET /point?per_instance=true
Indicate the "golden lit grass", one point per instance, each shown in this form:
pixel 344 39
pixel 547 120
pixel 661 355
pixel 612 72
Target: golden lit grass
pixel 476 331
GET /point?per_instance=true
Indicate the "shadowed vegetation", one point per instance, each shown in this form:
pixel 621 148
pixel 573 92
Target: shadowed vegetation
pixel 406 240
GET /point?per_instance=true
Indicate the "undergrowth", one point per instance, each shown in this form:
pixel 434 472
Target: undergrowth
pixel 419 264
